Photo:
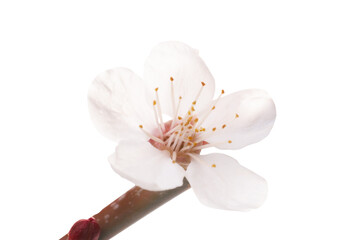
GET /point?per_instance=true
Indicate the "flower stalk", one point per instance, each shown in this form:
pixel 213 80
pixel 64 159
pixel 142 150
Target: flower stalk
pixel 131 207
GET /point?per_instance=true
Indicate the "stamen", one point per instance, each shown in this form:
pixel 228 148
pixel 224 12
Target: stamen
pixel 197 158
pixel 191 108
pixel 156 118
pixel 170 139
pixel 172 130
pixel 177 110
pixel 209 112
pixel 174 157
pixel 199 93
pixel 210 145
pixel 173 100
pixel 156 139
pixel 159 110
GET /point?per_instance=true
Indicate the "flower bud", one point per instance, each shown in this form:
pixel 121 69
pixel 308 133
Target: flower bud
pixel 85 230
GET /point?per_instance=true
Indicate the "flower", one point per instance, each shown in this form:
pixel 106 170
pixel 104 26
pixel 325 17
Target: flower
pixel 163 122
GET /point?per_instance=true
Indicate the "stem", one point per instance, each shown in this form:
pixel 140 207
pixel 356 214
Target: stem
pixel 131 207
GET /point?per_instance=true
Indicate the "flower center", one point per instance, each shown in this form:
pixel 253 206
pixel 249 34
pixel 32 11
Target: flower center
pixel 183 135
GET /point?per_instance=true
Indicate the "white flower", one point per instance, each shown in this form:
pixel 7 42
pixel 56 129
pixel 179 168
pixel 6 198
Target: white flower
pixel 161 124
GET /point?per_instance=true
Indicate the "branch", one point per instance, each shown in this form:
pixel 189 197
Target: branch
pixel 131 207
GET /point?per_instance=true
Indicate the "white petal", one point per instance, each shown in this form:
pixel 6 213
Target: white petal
pixel 177 60
pixel 146 166
pixel 118 103
pixel 228 185
pixel 256 115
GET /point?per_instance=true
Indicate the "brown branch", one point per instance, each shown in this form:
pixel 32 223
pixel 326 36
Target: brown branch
pixel 130 207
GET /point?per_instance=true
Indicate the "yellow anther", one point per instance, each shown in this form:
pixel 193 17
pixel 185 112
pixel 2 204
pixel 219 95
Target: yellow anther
pixel 141 126
pixel 214 165
pixel 188 121
pixel 156 89
pixel 222 91
pixel 192 108
pixel 180 97
pixel 213 107
pixel 176 132
pixel 203 84
pixel 173 161
pixel 237 116
pixel 194 103
pixel 194 144
pixel 179 118
pixel 213 129
pixel 189 127
pixel 229 141
pixel 189 144
pixel 154 102
pixel 182 129
pixel 196 130
pixel 190 138
pixel 171 78
pixel 224 125
pixel 196 120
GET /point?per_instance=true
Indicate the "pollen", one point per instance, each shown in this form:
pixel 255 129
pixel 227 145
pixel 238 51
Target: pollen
pixel 173 161
pixel 196 130
pixel 237 116
pixel 190 138
pixel 229 141
pixel 180 97
pixel 179 118
pixel 214 165
pixel 213 129
pixel 194 103
pixel 154 102
pixel 171 78
pixel 189 127
pixel 203 84
pixel 224 125
pixel 189 112
pixel 222 91
pixel 213 107
pixel 141 126
pixel 196 120
pixel 192 108
pixel 156 89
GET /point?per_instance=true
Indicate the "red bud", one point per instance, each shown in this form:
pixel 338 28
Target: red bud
pixel 85 230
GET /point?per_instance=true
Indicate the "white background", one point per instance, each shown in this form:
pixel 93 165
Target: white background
pixel 54 167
